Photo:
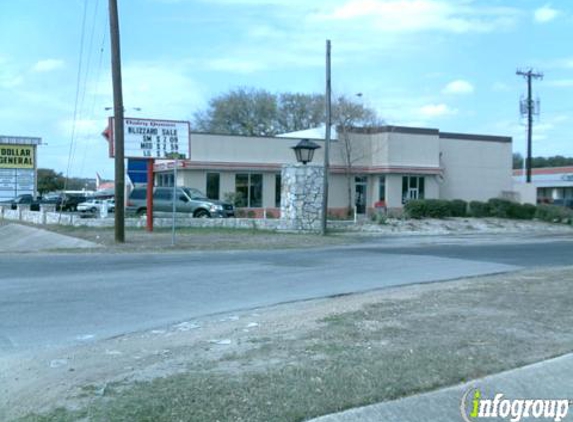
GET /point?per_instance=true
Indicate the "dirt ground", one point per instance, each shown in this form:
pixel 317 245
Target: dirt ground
pixel 421 323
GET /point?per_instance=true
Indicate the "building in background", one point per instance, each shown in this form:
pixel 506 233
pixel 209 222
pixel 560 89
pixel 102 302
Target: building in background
pixel 18 168
pixel 382 166
pixel 553 185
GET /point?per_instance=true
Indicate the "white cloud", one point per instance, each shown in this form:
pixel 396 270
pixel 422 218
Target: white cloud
pixel 436 110
pixel 501 87
pixel 545 14
pixel 458 87
pixel 422 15
pixel 47 65
pixel 560 83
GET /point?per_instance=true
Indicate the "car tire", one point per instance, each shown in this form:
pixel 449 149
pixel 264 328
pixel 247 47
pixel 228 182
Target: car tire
pixel 202 214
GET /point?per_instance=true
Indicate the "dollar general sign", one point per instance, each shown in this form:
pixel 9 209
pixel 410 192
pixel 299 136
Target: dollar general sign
pixel 16 156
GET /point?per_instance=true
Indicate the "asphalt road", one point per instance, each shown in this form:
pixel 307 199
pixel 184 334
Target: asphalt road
pixel 55 300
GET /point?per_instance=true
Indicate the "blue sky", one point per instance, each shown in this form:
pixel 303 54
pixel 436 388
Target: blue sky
pixel 447 64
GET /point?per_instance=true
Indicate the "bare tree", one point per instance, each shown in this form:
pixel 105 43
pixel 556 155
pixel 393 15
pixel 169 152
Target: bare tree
pixel 348 115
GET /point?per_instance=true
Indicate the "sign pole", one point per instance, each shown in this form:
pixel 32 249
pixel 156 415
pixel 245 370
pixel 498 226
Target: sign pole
pixel 174 200
pixel 149 210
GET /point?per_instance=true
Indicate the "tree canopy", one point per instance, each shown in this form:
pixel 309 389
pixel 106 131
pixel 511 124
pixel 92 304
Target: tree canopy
pixel 541 162
pixel 256 112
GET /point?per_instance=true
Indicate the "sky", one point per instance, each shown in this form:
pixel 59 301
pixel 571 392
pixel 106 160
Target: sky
pixel 445 64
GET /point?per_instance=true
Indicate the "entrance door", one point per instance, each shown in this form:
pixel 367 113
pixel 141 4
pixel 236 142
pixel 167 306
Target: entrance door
pixel 360 198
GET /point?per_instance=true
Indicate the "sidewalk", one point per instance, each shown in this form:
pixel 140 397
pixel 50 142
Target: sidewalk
pixel 551 379
pixel 20 238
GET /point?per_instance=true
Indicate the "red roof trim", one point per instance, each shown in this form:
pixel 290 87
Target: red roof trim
pixel 545 170
pixel 212 165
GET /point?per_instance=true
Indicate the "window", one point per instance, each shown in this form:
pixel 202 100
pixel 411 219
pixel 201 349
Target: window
pixel 213 185
pixel 163 194
pixel 138 193
pixel 249 190
pixel 165 179
pixel 278 187
pixel 382 188
pixel 413 187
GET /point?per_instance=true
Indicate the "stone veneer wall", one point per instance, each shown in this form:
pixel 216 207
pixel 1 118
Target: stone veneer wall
pixel 301 197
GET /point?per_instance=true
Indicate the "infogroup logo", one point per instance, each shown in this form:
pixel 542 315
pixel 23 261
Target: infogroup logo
pixel 475 407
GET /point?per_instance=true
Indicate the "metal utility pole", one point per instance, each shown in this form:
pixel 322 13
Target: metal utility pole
pixel 326 140
pixel 529 109
pixel 118 124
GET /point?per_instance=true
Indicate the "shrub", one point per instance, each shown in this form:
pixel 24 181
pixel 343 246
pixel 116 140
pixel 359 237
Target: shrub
pixel 271 215
pixel 415 208
pixel 424 208
pixel 458 208
pixel 554 213
pixel 479 209
pixel 522 211
pixel 438 208
pixel 240 213
pixel 500 208
pixel 251 214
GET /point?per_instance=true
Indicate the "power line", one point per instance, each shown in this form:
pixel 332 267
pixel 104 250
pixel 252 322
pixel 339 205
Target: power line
pixel 529 108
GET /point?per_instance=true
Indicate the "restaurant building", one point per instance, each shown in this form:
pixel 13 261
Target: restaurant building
pixel 369 167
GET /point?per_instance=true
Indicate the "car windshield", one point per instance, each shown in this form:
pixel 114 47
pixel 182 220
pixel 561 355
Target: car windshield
pixel 195 193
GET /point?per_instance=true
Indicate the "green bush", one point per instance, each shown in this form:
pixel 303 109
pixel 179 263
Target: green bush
pixel 416 208
pixel 438 208
pixel 554 213
pixel 500 208
pixel 427 208
pixel 522 211
pixel 458 208
pixel 479 209
pixel 251 214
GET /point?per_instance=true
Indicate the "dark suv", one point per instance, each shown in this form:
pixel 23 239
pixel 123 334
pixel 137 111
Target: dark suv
pixel 188 200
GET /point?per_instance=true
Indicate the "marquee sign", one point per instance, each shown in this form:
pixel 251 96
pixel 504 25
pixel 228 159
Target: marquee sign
pixel 146 138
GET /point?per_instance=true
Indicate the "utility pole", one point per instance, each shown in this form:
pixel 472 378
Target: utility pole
pixel 529 109
pixel 118 124
pixel 326 140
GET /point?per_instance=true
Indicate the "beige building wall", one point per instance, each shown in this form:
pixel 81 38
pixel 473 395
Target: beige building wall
pixel 256 150
pixel 413 150
pixel 475 169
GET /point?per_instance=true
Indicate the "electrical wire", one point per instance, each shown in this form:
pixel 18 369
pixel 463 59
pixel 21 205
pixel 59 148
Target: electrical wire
pixel 78 81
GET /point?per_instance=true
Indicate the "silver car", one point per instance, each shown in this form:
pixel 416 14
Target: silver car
pixel 188 200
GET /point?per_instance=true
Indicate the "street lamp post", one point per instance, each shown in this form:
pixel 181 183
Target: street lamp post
pixel 304 151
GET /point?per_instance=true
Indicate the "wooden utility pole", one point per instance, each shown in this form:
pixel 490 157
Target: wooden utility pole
pixel 118 123
pixel 529 109
pixel 326 140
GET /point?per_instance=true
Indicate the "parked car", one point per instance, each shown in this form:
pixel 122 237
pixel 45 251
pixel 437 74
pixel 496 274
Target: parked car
pixel 93 207
pixel 24 199
pixel 188 200
pixel 71 201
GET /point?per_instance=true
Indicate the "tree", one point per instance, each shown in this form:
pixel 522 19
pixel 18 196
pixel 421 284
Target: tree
pixel 517 160
pixel 243 111
pixel 299 112
pixel 49 181
pixel 541 162
pixel 346 116
pixel 252 112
